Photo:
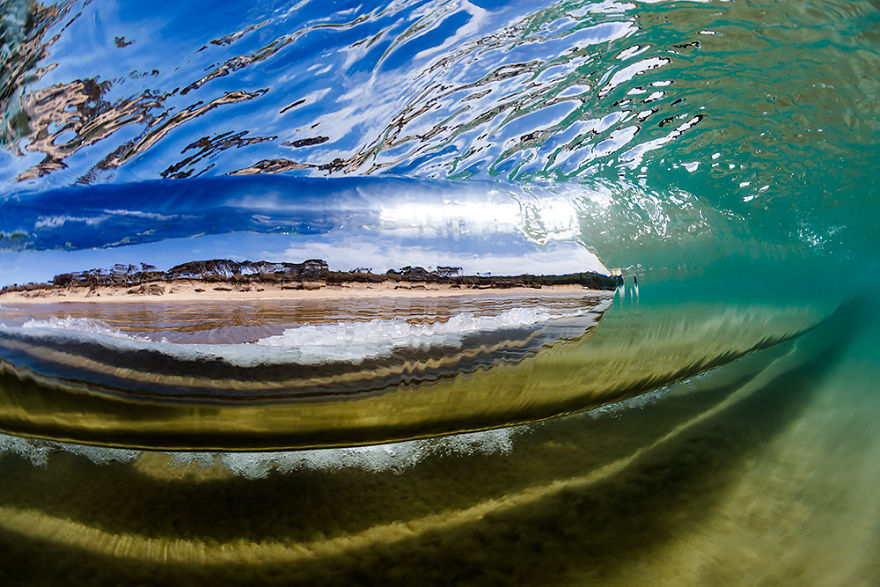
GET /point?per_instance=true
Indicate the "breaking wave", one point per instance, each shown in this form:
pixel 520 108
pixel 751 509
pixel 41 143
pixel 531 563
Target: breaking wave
pixel 309 344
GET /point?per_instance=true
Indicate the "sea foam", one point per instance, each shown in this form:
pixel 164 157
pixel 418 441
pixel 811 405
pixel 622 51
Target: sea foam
pixel 394 457
pixel 309 343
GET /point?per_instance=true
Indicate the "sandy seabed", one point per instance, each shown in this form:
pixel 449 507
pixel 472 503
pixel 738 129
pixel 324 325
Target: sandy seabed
pixel 708 486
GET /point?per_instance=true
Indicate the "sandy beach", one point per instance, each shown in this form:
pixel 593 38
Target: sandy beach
pixel 186 290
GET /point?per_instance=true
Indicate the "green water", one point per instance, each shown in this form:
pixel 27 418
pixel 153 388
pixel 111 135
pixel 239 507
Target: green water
pixel 740 445
pixel 761 471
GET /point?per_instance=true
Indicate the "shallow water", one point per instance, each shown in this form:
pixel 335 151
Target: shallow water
pixel 714 426
pixel 696 483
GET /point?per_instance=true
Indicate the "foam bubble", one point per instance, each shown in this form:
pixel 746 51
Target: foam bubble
pixel 614 410
pixel 396 457
pixel 38 451
pixel 393 457
pixel 79 325
pixel 35 451
pixel 349 340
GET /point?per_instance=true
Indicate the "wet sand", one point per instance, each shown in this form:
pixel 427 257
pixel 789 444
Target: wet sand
pixel 194 291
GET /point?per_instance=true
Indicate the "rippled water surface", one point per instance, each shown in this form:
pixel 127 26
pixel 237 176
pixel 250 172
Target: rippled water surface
pixel 714 426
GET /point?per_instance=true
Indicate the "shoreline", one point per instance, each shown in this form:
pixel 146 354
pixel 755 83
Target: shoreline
pixel 186 290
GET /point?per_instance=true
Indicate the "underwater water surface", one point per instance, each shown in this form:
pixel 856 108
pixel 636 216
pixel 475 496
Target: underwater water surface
pixel 714 424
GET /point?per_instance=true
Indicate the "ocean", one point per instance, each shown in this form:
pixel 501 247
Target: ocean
pixel 712 420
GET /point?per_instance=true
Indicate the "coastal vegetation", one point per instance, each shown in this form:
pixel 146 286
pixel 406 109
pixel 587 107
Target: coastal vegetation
pixel 310 274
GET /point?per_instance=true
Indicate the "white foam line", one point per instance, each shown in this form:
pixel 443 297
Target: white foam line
pixel 310 344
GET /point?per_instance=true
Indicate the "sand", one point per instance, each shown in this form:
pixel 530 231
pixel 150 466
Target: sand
pixel 193 290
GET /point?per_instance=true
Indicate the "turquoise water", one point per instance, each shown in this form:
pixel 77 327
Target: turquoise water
pixel 719 428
